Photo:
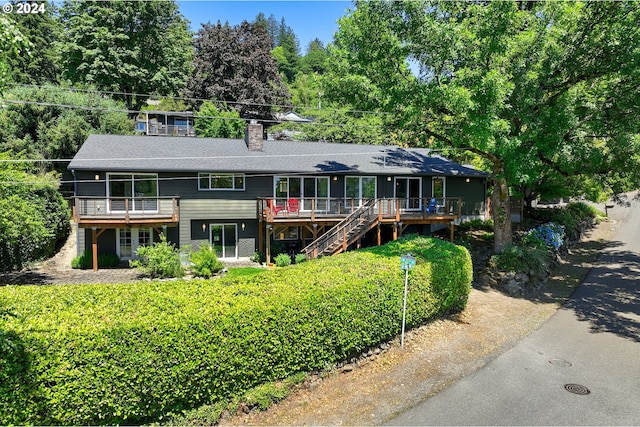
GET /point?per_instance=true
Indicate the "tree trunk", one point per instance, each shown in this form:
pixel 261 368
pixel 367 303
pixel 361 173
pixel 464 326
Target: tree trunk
pixel 501 209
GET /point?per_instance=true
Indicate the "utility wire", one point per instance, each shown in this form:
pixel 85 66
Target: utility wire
pixel 182 98
pixel 197 116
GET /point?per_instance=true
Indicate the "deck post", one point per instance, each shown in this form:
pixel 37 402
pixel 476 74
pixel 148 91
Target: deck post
pixel 451 226
pixel 379 233
pixel 395 231
pixel 268 243
pixel 94 248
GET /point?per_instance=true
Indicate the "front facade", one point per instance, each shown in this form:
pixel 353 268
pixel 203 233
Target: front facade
pixel 245 196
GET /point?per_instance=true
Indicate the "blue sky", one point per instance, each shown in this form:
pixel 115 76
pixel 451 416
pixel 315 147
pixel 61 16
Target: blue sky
pixel 308 19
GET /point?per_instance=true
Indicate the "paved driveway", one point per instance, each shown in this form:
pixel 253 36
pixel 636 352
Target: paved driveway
pixel 591 345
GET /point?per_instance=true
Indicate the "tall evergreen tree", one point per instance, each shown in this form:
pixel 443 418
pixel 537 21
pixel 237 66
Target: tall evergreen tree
pixel 132 47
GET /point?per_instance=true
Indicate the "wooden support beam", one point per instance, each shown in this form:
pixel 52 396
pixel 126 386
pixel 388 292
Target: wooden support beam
pixel 379 234
pixel 268 243
pixel 260 236
pixel 94 248
pixel 451 226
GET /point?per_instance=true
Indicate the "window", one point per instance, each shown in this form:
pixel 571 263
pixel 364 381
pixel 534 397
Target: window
pixel 358 189
pixel 287 233
pixel 221 181
pixel 133 192
pixel 313 190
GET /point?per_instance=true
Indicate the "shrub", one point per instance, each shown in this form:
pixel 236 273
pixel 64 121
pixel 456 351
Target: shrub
pixel 476 224
pixel 300 258
pixel 282 260
pixel 85 261
pixel 530 260
pixel 161 260
pixel 133 353
pixel 205 262
pixel 258 257
pixel 549 234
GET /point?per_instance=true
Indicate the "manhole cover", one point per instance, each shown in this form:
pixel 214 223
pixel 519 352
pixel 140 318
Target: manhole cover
pixel 577 389
pixel 560 363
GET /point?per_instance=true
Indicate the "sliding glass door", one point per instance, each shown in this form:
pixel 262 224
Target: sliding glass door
pixel 224 240
pixel 409 192
pixel 133 192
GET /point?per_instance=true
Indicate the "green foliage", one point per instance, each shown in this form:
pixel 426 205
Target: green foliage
pixel 54 132
pixel 36 65
pixel 205 262
pixel 527 259
pixel 213 122
pixel 282 260
pixel 300 258
pixel 12 45
pixel 160 260
pixel 476 224
pixel 135 353
pixel 33 215
pixel 136 48
pixel 518 84
pixel 258 257
pixel 572 217
pixel 242 272
pixel 85 261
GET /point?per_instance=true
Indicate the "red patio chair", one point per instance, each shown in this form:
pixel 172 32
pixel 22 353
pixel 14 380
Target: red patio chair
pixel 293 206
pixel 275 208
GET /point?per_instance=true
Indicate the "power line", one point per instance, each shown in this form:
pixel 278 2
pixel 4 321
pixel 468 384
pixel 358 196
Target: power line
pixel 197 116
pixel 183 98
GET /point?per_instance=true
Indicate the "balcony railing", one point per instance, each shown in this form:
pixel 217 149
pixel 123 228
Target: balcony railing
pixel 126 209
pixel 276 208
pixel 173 130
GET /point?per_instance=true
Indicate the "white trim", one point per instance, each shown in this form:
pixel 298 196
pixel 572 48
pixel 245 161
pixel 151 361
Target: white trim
pixel 217 174
pixel 135 240
pixel 132 197
pixel 360 178
pixel 408 197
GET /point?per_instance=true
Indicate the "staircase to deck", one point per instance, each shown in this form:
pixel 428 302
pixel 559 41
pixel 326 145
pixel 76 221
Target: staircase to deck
pixel 346 232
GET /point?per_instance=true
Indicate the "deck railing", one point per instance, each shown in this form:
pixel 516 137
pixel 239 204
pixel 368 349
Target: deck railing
pixel 338 237
pixel 275 208
pixel 173 130
pixel 125 208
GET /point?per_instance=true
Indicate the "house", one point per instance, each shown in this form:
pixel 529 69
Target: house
pixel 169 123
pixel 243 196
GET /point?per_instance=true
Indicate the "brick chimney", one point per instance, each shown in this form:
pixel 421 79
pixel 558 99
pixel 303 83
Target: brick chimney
pixel 253 136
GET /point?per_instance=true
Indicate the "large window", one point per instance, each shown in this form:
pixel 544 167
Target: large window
pixel 133 192
pixel 358 189
pixel 220 181
pixel 313 190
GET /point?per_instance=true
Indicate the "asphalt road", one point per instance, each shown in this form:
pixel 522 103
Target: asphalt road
pixel 592 342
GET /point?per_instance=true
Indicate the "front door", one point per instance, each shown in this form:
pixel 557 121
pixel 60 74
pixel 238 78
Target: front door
pixel 408 192
pixel 224 240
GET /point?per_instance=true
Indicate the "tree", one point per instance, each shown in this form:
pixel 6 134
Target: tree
pixel 37 122
pixel 40 30
pixel 288 42
pixel 133 48
pixel 214 122
pixel 536 89
pixel 12 44
pixel 235 65
pixel 33 215
pixel 315 58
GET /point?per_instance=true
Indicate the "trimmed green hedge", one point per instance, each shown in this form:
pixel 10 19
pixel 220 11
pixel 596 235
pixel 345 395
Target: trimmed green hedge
pixel 133 353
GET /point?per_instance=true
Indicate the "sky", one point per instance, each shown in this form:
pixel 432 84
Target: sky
pixel 308 19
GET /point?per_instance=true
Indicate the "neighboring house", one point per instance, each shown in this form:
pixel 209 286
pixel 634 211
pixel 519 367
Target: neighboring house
pixel 242 196
pixel 166 123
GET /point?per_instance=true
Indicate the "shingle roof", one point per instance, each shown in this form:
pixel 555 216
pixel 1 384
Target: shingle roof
pixel 180 154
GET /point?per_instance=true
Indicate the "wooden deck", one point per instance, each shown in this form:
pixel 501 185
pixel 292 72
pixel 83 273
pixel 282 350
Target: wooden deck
pixel 317 215
pixel 110 212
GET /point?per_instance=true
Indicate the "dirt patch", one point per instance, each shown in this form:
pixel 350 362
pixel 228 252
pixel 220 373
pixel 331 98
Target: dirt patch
pixel 435 355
